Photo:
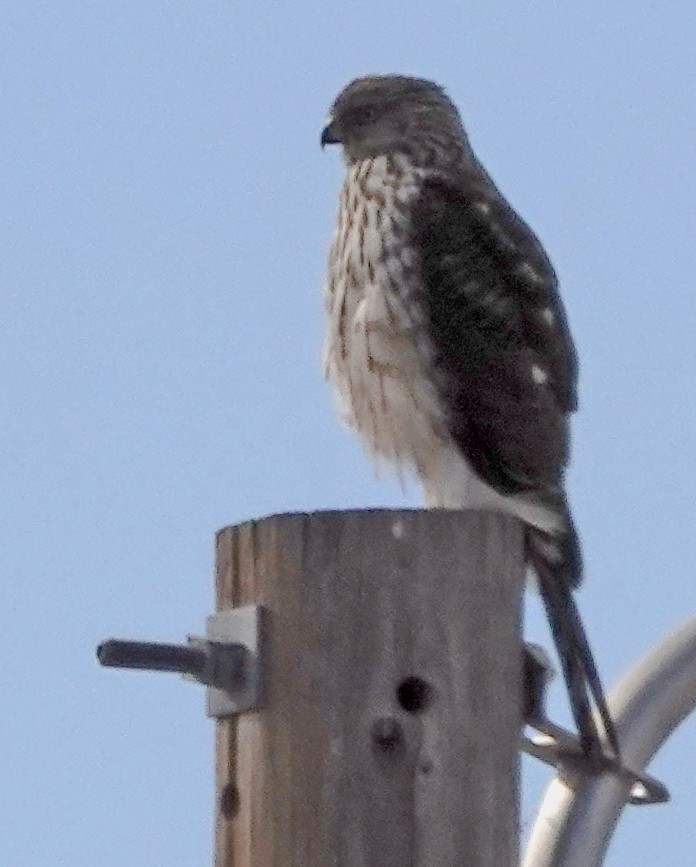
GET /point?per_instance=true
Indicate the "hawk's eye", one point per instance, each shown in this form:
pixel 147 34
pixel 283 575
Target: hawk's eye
pixel 368 114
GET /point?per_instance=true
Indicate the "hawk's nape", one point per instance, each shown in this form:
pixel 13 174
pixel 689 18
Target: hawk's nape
pixel 448 344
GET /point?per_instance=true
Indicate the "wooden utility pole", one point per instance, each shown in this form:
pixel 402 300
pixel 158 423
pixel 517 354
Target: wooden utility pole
pixel 390 731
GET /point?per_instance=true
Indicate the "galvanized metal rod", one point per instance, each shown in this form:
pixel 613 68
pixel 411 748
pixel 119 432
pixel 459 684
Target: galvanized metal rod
pixel 151 656
pixel 574 825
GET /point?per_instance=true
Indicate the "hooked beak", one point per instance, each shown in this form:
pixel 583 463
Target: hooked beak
pixel 329 135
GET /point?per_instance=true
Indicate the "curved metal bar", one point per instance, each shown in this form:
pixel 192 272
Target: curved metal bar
pixel 574 824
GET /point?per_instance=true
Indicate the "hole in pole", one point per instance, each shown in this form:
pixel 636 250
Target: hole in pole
pixel 388 735
pixel 414 694
pixel 229 801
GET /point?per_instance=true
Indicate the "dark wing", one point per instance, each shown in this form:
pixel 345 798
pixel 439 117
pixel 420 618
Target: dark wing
pixel 506 369
pixel 505 362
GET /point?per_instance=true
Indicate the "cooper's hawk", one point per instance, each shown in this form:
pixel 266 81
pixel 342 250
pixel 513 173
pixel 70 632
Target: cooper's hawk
pixel 448 345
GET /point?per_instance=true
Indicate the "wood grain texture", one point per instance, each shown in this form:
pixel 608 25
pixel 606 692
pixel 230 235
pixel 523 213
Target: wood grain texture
pixel 342 767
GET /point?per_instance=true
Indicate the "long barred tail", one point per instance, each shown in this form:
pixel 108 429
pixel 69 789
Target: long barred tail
pixel 557 563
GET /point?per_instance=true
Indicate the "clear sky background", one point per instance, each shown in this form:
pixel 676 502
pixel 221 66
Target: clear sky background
pixel 165 217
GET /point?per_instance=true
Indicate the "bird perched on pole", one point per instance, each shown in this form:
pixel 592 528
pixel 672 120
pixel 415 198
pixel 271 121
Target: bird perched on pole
pixel 448 345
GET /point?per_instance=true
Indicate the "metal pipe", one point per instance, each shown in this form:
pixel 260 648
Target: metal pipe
pixel 151 656
pixel 577 818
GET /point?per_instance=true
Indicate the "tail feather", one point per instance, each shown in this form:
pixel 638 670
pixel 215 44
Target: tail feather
pixel 557 562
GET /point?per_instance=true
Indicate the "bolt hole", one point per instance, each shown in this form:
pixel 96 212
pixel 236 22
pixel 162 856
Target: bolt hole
pixel 229 801
pixel 414 694
pixel 388 735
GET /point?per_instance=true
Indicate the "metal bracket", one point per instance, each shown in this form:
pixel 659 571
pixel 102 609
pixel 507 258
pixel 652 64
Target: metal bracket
pixel 245 626
pixel 228 660
pixel 560 748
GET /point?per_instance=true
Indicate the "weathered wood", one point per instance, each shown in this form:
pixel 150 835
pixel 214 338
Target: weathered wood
pixel 391 730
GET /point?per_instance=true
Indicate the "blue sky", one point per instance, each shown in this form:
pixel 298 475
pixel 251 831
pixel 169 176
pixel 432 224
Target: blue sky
pixel 165 217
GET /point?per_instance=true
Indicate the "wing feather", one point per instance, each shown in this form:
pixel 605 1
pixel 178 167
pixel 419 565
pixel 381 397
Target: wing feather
pixel 504 359
pixel 506 370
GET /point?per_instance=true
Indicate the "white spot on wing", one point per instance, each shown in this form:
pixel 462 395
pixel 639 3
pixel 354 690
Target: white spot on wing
pixel 406 192
pixel 539 375
pixel 548 316
pixel 483 208
pixel 394 267
pixel 408 256
pixel 527 272
pixel 398 529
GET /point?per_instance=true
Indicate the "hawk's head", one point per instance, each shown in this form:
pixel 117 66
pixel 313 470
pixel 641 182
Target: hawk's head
pixel 387 114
